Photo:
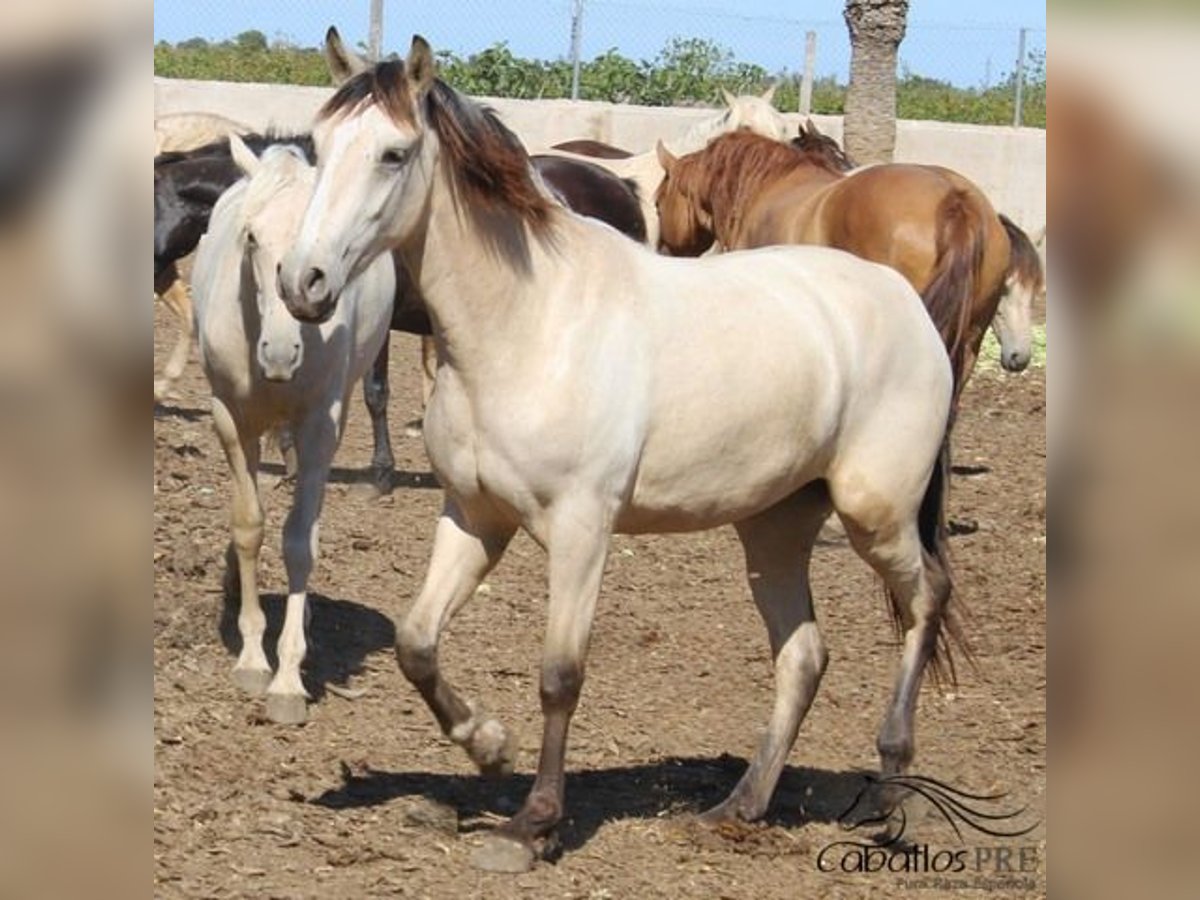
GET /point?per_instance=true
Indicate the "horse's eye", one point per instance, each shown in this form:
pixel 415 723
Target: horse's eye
pixel 251 240
pixel 394 157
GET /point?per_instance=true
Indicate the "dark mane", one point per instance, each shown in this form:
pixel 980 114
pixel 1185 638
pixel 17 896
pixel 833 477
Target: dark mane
pixel 732 169
pixel 489 168
pixel 1023 261
pixel 256 142
pixel 825 151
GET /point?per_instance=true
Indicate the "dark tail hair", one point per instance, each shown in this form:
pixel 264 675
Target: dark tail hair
pixel 931 525
pixel 961 240
pixel 1023 259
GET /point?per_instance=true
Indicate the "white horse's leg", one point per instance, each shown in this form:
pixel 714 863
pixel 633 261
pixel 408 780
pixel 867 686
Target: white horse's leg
pixel 316 443
pixel 179 301
pixel 463 553
pixel 778 547
pixel 252 672
pixel 577 541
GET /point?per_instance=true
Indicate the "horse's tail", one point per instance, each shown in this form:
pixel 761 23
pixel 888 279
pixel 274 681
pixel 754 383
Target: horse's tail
pixel 1024 262
pixel 934 534
pixel 961 241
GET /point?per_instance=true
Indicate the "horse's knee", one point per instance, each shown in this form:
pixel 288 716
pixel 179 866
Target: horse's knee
pixel 416 653
pixel 561 684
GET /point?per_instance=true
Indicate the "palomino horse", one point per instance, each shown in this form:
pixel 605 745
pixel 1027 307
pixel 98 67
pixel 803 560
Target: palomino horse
pixel 930 224
pixel 577 378
pixel 1024 282
pixel 186 131
pixel 268 370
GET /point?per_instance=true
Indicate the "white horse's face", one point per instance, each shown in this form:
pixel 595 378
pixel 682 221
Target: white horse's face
pixel 373 183
pixel 1013 323
pixel 268 235
pixel 756 114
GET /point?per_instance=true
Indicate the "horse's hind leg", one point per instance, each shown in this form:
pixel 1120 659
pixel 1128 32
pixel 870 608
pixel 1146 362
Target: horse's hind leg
pixel 177 300
pixel 316 442
pixel 778 546
pixel 375 395
pixel 252 672
pixel 887 537
pixel 463 553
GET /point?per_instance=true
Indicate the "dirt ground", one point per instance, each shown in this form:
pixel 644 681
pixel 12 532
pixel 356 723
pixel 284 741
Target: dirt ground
pixel 368 799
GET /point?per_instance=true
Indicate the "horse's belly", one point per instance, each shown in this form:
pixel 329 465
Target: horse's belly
pixel 689 482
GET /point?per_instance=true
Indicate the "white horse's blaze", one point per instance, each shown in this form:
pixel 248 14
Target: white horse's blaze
pixel 268 370
pixel 587 385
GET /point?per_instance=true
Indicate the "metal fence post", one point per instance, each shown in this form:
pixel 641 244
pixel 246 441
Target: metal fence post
pixel 810 64
pixel 1020 78
pixel 375 32
pixel 576 40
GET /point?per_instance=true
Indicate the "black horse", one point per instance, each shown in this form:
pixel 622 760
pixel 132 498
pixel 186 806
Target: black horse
pixel 188 184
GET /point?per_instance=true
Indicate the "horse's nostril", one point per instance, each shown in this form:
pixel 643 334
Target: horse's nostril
pixel 314 281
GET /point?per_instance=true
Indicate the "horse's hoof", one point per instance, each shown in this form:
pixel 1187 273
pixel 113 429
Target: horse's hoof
pixel 253 681
pixel 287 709
pixel 503 854
pixel 493 748
pixel 381 481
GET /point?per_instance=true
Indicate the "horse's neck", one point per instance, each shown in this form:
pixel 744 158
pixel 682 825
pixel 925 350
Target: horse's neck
pixel 730 207
pixel 477 290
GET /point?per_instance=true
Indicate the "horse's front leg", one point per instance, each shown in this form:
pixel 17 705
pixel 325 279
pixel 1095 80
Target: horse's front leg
pixel 578 541
pixel 463 553
pixel 316 441
pixel 252 672
pixel 375 395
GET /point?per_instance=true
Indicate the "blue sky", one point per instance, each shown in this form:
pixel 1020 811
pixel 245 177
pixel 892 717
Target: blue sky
pixel 963 41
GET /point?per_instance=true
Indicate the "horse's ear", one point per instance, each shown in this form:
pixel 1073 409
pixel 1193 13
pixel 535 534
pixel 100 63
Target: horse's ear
pixel 769 93
pixel 243 156
pixel 811 128
pixel 666 159
pixel 343 64
pixel 419 65
pixel 729 99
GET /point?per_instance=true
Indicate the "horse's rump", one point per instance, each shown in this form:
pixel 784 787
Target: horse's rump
pixel 957 276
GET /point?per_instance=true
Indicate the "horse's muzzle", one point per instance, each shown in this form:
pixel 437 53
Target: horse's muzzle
pixel 1015 360
pixel 312 300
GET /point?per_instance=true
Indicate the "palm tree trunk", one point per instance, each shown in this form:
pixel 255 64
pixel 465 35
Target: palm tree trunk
pixel 876 29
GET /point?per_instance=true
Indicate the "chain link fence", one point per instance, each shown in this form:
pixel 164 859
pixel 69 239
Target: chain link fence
pixel 582 45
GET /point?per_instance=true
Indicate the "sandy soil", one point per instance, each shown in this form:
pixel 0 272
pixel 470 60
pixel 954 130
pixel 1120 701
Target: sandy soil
pixel 368 799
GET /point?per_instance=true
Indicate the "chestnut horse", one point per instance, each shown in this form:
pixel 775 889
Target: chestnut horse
pixel 931 224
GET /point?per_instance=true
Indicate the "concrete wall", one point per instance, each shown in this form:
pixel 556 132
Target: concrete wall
pixel 1009 164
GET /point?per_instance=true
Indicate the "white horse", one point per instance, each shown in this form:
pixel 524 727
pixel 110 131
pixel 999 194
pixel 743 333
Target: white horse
pixel 587 385
pixel 266 369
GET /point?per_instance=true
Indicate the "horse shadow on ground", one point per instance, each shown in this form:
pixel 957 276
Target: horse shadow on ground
pixel 186 413
pixel 341 475
pixel 678 786
pixel 340 635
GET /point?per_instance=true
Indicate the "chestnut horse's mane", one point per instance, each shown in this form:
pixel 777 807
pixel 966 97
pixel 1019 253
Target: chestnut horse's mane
pixel 733 169
pixel 489 168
